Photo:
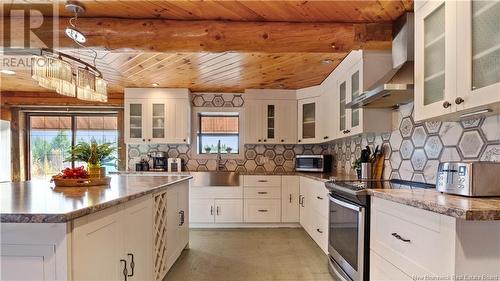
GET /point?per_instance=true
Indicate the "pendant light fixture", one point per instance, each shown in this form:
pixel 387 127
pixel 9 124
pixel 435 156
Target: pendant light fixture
pixel 67 75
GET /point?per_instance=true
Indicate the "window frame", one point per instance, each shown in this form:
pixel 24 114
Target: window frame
pixel 199 134
pixel 195 128
pixel 73 129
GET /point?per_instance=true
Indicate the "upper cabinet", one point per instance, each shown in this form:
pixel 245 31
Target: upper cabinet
pixel 357 73
pixel 157 116
pixel 457 46
pixel 270 121
pixel 310 110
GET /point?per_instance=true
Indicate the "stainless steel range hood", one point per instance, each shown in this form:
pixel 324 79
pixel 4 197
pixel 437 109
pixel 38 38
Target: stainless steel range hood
pixel 396 87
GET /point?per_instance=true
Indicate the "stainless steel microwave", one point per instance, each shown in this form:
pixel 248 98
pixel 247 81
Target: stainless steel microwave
pixel 313 163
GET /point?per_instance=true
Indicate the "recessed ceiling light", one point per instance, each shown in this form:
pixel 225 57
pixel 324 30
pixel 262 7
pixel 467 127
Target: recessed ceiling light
pixel 326 61
pixel 8 72
pixel 155 84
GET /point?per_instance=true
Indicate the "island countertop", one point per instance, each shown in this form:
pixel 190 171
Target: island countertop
pixel 41 202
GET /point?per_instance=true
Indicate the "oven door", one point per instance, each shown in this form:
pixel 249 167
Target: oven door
pixel 346 238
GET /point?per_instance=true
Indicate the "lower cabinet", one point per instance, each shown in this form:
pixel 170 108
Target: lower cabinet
pixel 262 210
pixel 114 244
pixel 314 210
pixel 216 211
pixel 15 259
pixel 410 242
pixel 290 191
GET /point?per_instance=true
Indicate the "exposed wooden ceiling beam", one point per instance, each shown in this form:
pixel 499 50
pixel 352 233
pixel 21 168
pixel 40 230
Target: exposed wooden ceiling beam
pixel 54 99
pixel 158 35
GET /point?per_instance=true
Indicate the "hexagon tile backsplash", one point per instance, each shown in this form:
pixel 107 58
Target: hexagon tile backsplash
pixel 412 152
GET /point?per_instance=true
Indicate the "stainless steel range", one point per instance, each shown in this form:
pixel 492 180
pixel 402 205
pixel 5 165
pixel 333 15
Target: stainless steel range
pixel 349 225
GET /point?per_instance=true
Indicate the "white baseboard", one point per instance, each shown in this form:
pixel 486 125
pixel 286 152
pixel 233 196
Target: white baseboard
pixel 244 225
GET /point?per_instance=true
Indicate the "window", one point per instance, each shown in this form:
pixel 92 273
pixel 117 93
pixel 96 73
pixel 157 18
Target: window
pixel 215 127
pixel 51 137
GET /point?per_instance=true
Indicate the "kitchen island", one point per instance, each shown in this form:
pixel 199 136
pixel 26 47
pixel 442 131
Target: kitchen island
pixel 134 228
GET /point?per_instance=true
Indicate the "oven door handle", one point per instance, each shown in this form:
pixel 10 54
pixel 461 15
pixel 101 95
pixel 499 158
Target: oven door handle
pixel 345 204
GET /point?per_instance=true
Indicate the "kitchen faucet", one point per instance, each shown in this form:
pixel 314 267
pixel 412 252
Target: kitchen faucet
pixel 219 158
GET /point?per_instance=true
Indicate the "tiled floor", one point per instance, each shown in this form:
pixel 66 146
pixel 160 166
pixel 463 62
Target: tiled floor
pixel 250 255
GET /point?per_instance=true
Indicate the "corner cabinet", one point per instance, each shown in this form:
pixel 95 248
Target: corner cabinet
pixel 357 73
pixel 157 116
pixel 268 121
pixel 457 50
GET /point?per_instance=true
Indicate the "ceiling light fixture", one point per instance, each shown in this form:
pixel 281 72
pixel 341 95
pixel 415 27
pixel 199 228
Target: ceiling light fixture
pixel 327 61
pixel 68 76
pixel 71 31
pixel 155 84
pixel 7 72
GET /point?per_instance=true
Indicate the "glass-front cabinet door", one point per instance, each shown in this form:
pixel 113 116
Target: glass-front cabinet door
pixel 158 122
pixel 343 111
pixel 135 122
pixel 479 53
pixel 355 92
pixel 308 120
pixel 270 123
pixel 435 59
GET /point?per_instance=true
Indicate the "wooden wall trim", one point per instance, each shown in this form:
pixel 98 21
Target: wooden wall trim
pixel 54 99
pixel 158 35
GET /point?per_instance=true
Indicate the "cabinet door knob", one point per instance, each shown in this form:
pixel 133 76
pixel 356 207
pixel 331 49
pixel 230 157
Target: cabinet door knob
pixel 282 140
pixel 132 264
pixel 325 137
pixel 446 104
pixel 184 140
pixel 265 140
pixel 259 140
pixel 300 140
pixel 459 100
pixel 143 139
pixel 320 198
pixel 318 230
pixel 149 139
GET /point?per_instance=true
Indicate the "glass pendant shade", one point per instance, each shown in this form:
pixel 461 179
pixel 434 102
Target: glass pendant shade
pixel 61 76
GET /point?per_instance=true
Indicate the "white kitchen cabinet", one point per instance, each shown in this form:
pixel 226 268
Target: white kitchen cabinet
pixel 100 243
pixel 408 241
pixel 262 210
pixel 269 121
pixel 16 259
pixel 228 211
pixel 160 116
pixel 356 74
pixel 209 211
pixel 457 45
pixel 309 118
pixel 314 210
pixel 177 235
pixel 290 191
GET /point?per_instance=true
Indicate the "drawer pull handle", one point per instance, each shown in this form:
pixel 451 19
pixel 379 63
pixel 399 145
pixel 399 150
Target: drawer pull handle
pixel 217 210
pixel 262 181
pixel 263 211
pixel 290 198
pixel 211 210
pixel 320 198
pixel 125 271
pixel 397 236
pixel 262 192
pixel 318 230
pixel 132 264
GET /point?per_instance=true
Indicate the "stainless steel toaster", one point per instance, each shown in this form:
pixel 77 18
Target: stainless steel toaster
pixel 473 179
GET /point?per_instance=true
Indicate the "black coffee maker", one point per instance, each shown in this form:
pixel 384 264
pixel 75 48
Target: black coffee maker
pixel 160 162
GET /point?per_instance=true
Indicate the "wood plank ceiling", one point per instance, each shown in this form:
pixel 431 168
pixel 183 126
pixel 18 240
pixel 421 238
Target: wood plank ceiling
pixel 222 71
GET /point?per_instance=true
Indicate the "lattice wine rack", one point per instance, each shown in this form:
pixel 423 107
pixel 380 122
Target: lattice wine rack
pixel 160 235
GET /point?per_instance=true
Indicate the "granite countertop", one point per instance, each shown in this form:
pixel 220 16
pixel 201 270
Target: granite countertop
pixel 478 209
pixel 41 202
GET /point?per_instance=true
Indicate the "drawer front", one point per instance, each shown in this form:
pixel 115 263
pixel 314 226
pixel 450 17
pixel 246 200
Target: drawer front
pixel 262 192
pixel 262 210
pixel 319 230
pixel 319 200
pixel 417 242
pixel 262 181
pixel 209 192
pixel 382 270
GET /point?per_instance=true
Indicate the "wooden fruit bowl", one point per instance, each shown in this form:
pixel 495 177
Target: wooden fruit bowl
pixel 81 182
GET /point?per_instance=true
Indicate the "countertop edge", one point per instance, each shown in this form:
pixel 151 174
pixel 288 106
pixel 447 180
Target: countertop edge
pixel 66 217
pixel 458 213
